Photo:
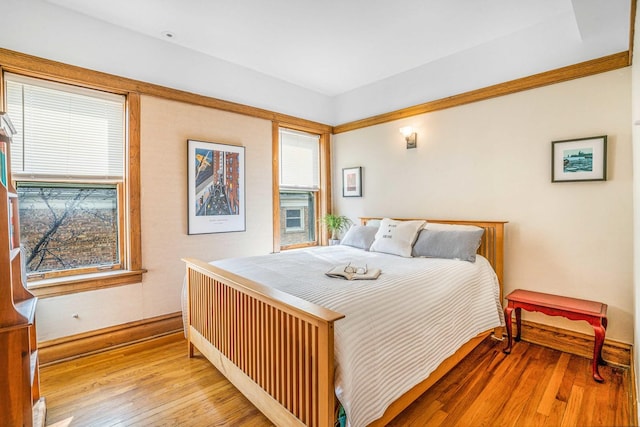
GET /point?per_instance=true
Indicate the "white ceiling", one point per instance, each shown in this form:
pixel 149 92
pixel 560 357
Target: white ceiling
pixel 333 47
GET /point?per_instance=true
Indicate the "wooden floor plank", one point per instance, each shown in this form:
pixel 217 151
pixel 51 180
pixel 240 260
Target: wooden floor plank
pixel 551 391
pixel 569 379
pixel 156 384
pixel 585 416
pixel 623 399
pixel 547 361
pixel 574 403
pixel 520 388
pixel 557 410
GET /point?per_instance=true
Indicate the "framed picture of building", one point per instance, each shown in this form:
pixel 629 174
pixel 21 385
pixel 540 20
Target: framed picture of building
pixel 583 159
pixel 216 188
pixel 352 182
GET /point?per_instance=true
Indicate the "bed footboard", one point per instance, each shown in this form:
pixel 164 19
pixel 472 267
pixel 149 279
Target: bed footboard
pixel 275 348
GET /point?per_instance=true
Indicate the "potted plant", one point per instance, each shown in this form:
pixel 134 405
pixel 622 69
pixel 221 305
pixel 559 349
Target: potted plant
pixel 335 224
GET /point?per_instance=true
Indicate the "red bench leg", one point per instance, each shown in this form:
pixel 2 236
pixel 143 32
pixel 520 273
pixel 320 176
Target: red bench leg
pixel 507 322
pixel 518 323
pixel 597 350
pixel 600 359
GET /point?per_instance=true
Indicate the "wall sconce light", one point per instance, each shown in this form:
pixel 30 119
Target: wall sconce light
pixel 410 136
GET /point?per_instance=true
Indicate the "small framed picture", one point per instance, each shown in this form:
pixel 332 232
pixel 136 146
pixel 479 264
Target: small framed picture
pixel 352 182
pixel 215 186
pixel 583 159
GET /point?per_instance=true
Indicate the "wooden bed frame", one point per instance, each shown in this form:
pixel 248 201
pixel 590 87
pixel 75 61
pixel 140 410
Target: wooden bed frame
pixel 278 350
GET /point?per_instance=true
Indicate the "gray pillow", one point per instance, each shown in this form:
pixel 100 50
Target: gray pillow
pixel 360 236
pixel 451 244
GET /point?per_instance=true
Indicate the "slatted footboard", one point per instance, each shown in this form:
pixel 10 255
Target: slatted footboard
pixel 275 348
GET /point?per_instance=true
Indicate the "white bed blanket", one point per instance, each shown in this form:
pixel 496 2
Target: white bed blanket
pixel 397 329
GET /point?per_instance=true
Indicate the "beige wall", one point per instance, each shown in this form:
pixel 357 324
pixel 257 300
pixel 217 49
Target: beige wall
pixel 491 160
pixel 166 126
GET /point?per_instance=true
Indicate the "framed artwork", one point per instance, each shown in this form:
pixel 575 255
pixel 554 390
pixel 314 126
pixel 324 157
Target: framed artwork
pixel 352 182
pixel 583 159
pixel 215 186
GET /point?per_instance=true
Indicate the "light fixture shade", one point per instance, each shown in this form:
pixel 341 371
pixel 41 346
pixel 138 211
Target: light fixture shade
pixel 406 131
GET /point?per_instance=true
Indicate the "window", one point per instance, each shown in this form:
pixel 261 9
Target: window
pixel 293 218
pixel 68 164
pixel 299 183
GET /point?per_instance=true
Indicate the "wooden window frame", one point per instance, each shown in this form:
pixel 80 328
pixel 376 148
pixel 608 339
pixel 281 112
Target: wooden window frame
pixel 131 270
pixel 322 196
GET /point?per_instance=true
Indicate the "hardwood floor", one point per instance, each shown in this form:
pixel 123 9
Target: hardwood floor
pixel 155 384
pixel 534 386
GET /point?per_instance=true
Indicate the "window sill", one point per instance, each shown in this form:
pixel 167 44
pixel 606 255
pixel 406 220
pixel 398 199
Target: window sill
pixel 47 288
pixel 298 246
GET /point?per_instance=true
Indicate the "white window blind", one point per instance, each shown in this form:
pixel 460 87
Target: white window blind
pixel 65 131
pixel 299 161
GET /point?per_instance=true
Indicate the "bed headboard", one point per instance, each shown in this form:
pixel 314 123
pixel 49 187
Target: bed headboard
pixel 491 246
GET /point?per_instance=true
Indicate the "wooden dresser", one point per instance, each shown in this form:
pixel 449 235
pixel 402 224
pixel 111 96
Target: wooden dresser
pixel 21 402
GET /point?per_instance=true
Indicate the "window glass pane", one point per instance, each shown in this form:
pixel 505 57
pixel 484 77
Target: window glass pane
pixel 66 227
pixel 297 217
pixel 294 223
pixel 294 219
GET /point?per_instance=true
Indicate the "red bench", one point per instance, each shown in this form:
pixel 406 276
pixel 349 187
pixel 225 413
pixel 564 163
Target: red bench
pixel 553 305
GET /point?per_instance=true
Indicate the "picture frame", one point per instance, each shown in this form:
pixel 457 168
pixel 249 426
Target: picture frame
pixel 352 182
pixel 582 159
pixel 215 187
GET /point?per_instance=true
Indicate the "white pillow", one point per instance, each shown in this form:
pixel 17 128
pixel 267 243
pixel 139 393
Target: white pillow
pixel 396 237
